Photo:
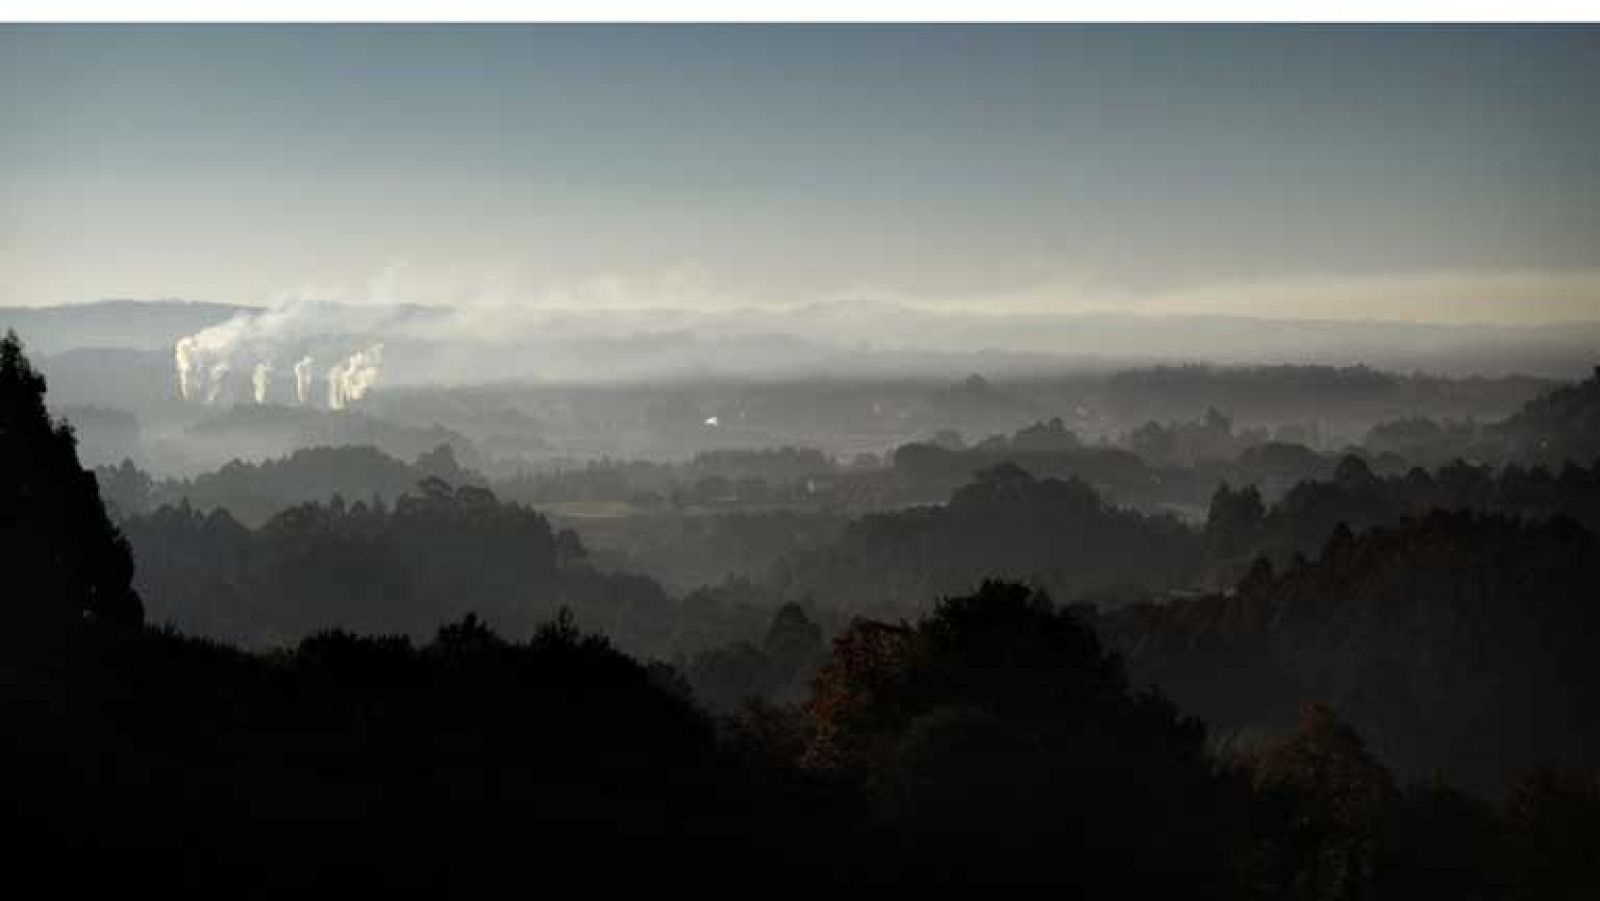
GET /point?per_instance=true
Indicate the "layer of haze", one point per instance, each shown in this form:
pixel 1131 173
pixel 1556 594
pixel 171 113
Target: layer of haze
pixel 1441 174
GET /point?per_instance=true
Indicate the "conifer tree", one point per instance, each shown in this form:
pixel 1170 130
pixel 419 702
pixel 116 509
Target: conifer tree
pixel 64 562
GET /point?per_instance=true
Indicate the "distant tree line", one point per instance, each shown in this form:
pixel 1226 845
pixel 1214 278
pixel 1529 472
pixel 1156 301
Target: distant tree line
pixel 993 738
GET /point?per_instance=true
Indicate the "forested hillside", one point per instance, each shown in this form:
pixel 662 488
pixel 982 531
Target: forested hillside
pixel 1457 643
pixel 1399 710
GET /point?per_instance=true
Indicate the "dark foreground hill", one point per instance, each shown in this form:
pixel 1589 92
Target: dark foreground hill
pixel 993 741
pixel 1459 643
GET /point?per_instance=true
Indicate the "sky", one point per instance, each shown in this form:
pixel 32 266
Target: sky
pixel 1435 174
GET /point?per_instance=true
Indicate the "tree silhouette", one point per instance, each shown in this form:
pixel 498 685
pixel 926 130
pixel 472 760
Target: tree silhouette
pixel 1552 824
pixel 794 643
pixel 1335 798
pixel 1233 521
pixel 66 562
pixel 1003 743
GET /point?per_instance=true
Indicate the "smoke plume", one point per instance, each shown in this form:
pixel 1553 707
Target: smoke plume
pixel 259 380
pixel 349 381
pixel 302 381
pixel 216 377
pixel 246 346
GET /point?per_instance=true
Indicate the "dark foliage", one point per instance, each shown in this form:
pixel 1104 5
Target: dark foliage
pixel 438 553
pixel 356 763
pixel 779 669
pixel 65 562
pixel 1458 642
pixel 1550 429
pixel 254 492
pixel 934 472
pixel 1059 535
pixel 999 742
pixel 1239 528
pixel 995 740
pixel 1561 425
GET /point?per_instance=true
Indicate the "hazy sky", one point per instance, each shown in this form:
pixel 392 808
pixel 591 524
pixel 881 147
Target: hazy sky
pixel 1401 172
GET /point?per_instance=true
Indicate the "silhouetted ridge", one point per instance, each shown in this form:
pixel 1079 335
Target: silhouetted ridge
pixel 66 562
pixel 1057 534
pixel 1456 642
pixel 1561 425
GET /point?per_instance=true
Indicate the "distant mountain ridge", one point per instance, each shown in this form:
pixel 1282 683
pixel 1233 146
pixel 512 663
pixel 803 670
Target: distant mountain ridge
pixel 649 342
pixel 120 323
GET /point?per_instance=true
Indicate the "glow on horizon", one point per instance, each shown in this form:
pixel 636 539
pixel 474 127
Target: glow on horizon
pixel 1444 174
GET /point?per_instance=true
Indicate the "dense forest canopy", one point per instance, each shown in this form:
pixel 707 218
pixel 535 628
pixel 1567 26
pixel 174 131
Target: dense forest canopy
pixel 442 550
pixel 841 667
pixel 1057 534
pixel 1455 642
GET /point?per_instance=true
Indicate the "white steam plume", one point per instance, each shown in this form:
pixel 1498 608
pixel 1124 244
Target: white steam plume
pixel 187 355
pixel 216 378
pixel 203 364
pixel 211 360
pixel 349 381
pixel 259 380
pixel 302 381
